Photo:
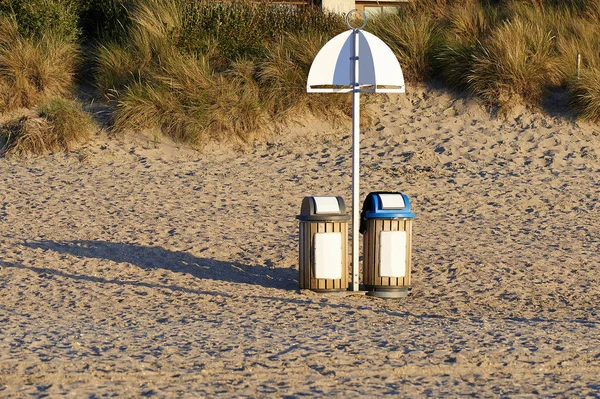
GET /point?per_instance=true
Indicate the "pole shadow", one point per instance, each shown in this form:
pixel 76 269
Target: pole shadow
pixel 155 257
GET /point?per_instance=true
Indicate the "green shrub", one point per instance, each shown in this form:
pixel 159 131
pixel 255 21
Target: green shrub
pixel 105 19
pixel 209 27
pixel 37 18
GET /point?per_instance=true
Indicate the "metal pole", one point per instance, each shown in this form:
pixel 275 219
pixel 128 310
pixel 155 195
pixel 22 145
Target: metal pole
pixel 355 165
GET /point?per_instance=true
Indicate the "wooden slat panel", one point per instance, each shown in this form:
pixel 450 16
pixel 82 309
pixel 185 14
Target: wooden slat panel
pixel 366 256
pixel 408 228
pixel 369 254
pixel 377 230
pixel 301 256
pixel 318 229
pixel 388 227
pixel 374 240
pixel 307 254
pixel 375 251
pixel 313 230
pixel 402 282
pixel 329 283
pixel 343 228
pixel 337 284
pixel 395 226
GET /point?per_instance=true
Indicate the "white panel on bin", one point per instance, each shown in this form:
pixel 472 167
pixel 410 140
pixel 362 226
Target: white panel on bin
pixel 392 201
pixel 392 254
pixel 328 255
pixel 326 205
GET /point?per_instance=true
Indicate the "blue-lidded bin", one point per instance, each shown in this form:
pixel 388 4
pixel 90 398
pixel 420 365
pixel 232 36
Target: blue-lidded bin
pixel 386 225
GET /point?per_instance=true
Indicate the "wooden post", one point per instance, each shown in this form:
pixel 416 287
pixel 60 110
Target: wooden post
pixel 578 65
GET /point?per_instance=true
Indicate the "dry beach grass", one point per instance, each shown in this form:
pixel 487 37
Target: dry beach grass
pixel 131 270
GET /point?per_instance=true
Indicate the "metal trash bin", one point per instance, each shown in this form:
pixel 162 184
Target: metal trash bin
pixel 386 225
pixel 323 263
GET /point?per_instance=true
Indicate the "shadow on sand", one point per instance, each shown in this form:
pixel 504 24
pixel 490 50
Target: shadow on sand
pixel 177 261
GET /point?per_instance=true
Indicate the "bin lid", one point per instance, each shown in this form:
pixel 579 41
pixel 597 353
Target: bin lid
pixel 385 205
pixel 321 209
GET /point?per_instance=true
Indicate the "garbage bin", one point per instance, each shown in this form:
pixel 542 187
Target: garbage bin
pixel 386 225
pixel 323 263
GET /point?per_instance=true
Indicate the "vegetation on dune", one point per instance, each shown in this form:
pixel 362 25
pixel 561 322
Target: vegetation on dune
pixel 57 125
pixel 38 18
pixel 585 94
pixel 32 69
pixel 514 64
pixel 182 71
pixel 200 71
pixel 505 53
pixel 415 39
pixel 39 58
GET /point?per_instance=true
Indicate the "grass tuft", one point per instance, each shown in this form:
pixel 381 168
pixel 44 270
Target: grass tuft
pixel 282 76
pixel 58 125
pixel 413 37
pixel 33 70
pixel 585 94
pixel 516 64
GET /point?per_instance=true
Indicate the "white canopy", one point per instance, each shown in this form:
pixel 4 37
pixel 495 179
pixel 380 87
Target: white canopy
pixel 332 68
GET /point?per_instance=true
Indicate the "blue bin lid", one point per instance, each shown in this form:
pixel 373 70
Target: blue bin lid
pixel 387 205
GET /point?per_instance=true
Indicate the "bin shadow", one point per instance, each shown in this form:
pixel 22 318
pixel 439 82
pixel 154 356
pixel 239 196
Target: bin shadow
pixel 155 257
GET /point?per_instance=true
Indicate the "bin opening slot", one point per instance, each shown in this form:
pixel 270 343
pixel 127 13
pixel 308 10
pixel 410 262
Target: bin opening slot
pixel 326 205
pixel 392 201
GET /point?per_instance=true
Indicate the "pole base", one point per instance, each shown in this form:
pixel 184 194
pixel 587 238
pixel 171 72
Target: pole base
pixel 387 292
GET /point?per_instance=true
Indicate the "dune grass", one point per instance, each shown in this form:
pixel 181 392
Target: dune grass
pixel 33 69
pixel 181 71
pixel 514 64
pixel 56 125
pixel 414 38
pixel 585 94
pixel 199 71
pixel 37 72
pixel 506 53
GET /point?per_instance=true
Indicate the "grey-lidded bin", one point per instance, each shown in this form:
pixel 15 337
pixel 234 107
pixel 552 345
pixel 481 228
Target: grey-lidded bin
pixel 323 263
pixel 386 225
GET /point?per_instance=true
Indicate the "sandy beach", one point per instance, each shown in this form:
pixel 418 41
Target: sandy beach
pixel 131 268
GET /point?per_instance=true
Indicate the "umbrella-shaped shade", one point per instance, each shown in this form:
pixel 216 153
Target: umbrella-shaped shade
pixel 332 68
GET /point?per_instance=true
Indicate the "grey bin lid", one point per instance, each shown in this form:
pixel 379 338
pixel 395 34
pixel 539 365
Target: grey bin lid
pixel 323 209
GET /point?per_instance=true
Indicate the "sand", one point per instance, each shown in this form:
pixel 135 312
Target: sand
pixel 137 269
